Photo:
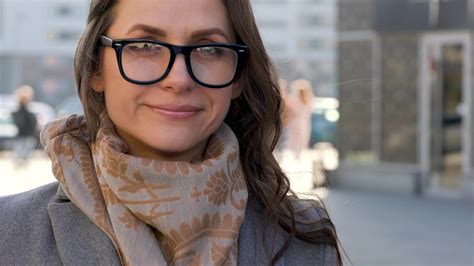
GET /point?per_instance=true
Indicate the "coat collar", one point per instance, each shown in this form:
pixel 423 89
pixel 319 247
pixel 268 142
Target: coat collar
pixel 79 240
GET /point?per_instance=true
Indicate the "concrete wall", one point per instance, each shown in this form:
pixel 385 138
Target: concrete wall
pixel 399 98
pixel 355 96
pixel 354 81
pixel 472 105
pixel 356 15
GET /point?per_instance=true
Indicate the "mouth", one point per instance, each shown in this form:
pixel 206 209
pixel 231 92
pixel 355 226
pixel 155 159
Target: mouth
pixel 175 112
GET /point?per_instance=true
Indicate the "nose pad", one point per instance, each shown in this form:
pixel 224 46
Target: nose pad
pixel 178 78
pixel 180 66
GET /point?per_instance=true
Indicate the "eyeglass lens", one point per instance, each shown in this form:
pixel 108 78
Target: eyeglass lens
pixel 144 62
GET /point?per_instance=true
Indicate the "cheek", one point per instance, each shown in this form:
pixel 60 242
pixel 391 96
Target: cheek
pixel 222 110
pixel 113 106
pixel 111 74
pixel 221 106
pixel 115 87
pixel 220 98
pixel 110 71
pixel 120 98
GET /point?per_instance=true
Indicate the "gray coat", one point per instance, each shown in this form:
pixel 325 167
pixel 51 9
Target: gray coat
pixel 42 227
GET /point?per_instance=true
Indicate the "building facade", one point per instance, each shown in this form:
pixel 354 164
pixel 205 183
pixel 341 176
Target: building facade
pixel 37 43
pixel 300 37
pixel 405 83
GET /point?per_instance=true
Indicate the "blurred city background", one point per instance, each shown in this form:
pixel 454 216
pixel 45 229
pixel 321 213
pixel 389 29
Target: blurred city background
pixel 391 114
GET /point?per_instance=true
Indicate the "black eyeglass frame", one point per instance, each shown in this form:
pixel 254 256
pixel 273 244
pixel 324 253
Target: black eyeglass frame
pixel 117 45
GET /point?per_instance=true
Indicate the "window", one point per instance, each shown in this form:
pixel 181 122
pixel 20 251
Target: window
pixel 315 20
pixel 64 11
pixel 273 23
pixel 63 35
pixel 2 17
pixel 315 44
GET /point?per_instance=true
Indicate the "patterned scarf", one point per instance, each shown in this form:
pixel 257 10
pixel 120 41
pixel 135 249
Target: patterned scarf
pixel 155 212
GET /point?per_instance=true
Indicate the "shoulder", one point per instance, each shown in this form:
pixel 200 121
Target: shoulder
pixel 25 226
pixel 27 204
pixel 257 229
pixel 313 220
pixel 25 210
pixel 309 211
pixel 43 227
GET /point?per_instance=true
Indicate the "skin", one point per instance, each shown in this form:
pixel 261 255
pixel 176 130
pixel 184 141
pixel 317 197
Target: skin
pixel 173 119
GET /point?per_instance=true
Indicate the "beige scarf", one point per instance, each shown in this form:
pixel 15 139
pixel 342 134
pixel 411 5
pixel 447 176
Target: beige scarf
pixel 155 212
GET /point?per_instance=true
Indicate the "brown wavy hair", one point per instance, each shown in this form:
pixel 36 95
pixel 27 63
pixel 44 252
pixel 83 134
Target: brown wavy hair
pixel 255 118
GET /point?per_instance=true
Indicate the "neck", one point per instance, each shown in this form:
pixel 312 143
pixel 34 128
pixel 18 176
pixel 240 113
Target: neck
pixel 143 150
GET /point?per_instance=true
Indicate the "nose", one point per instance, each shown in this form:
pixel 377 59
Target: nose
pixel 178 79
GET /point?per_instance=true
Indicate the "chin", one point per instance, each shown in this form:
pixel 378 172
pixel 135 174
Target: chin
pixel 169 147
pixel 173 147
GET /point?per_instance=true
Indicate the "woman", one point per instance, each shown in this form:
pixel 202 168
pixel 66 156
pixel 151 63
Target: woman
pixel 172 163
pixel 299 121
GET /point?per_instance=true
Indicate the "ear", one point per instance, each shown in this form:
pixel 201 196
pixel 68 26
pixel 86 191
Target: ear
pixel 236 90
pixel 97 83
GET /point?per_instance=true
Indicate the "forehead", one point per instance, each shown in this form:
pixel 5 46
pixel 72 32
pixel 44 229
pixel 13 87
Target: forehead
pixel 176 17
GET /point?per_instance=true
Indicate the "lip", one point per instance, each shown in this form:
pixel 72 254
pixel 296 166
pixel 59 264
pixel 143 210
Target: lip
pixel 175 112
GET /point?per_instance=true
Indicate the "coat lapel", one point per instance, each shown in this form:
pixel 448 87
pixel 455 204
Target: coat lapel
pixel 79 240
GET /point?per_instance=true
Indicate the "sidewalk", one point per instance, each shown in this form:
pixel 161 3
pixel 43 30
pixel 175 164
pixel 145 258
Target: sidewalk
pixel 38 172
pixel 379 229
pixel 15 180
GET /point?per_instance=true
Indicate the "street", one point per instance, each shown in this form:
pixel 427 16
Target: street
pixel 374 228
pixel 378 229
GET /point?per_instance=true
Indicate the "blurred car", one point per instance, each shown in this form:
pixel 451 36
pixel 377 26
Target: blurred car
pixel 324 119
pixel 8 131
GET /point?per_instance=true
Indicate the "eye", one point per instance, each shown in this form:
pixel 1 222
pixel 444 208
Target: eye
pixel 207 50
pixel 144 47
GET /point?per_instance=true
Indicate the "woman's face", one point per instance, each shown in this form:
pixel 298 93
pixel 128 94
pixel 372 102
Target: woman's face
pixel 171 119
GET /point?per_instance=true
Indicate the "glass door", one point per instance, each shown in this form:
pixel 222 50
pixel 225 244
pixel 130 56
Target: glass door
pixel 444 110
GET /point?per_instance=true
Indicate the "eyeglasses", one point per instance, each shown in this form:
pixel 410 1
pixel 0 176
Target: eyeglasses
pixel 145 62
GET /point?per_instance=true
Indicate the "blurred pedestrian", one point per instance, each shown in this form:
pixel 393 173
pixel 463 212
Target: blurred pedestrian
pixel 172 162
pixel 298 123
pixel 26 123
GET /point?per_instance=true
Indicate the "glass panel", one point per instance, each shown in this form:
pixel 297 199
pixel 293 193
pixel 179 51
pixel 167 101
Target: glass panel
pixel 145 61
pixel 452 116
pixel 214 65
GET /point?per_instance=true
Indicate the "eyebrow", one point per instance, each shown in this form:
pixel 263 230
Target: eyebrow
pixel 211 31
pixel 162 33
pixel 148 29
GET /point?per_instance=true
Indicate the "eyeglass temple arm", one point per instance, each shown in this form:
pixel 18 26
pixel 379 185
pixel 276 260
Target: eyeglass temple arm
pixel 106 41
